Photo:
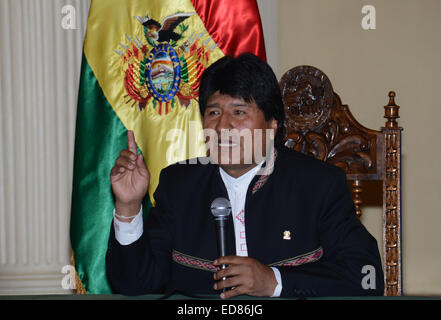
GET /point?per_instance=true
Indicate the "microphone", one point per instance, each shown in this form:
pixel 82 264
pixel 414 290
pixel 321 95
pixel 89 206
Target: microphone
pixel 221 209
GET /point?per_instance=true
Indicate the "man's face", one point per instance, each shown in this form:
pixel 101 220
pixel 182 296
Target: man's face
pixel 242 133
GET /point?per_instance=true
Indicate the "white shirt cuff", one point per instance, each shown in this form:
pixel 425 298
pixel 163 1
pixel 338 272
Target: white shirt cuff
pixel 128 232
pixel 278 288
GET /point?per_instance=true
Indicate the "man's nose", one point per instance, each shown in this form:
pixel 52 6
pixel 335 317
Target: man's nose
pixel 224 123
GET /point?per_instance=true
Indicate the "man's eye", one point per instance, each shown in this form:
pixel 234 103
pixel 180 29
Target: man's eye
pixel 211 112
pixel 239 112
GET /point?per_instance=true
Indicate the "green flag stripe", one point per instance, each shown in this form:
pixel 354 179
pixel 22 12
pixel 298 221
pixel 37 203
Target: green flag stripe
pixel 100 136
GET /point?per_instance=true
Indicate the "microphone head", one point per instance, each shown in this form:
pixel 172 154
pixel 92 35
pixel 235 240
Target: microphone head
pixel 221 208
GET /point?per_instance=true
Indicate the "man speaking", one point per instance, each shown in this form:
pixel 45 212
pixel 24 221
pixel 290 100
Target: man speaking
pixel 292 230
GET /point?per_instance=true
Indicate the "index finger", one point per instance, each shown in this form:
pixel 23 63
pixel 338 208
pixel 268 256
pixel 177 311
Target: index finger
pixel 131 143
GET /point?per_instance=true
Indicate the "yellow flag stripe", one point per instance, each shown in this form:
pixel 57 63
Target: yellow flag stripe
pixel 112 28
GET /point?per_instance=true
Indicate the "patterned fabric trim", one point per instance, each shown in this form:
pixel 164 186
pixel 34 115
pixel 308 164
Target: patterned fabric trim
pixel 207 265
pixel 299 260
pixel 266 173
pixel 193 262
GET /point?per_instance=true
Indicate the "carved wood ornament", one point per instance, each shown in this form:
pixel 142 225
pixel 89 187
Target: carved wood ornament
pixel 318 124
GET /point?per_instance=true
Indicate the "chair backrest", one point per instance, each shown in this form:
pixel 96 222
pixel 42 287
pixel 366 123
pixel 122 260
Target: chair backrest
pixel 318 124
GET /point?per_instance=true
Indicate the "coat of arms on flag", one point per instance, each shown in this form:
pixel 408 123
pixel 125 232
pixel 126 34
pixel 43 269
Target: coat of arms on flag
pixel 166 64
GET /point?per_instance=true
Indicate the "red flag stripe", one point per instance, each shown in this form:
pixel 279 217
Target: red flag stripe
pixel 233 24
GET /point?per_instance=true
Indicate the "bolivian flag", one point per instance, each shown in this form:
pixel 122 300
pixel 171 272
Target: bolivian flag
pixel 141 67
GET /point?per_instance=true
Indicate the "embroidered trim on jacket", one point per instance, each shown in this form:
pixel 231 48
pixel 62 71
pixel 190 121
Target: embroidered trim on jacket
pixel 266 173
pixel 207 265
pixel 299 260
pixel 193 262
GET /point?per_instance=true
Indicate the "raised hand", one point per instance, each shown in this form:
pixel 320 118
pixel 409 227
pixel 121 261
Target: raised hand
pixel 130 179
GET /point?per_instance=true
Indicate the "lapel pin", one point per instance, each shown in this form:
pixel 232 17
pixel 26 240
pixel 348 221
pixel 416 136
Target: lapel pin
pixel 286 235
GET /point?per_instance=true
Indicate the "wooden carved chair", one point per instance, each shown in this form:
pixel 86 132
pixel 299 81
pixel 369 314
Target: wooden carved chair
pixel 318 124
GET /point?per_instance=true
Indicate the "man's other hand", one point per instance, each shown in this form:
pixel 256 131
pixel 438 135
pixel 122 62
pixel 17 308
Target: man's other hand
pixel 246 276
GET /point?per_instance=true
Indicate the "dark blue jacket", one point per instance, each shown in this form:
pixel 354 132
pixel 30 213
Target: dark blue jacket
pixel 323 255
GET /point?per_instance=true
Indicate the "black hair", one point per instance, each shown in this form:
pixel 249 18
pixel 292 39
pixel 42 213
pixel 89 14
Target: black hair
pixel 247 77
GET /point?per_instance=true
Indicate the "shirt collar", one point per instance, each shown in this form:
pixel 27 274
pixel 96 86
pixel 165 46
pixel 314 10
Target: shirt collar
pixel 243 180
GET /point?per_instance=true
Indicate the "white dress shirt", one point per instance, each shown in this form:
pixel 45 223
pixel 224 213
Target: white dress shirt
pixel 237 190
pixel 128 232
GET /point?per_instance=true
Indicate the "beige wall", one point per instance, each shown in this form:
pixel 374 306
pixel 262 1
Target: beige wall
pixel 402 54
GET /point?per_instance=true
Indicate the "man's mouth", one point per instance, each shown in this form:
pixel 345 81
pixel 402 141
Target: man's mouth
pixel 227 144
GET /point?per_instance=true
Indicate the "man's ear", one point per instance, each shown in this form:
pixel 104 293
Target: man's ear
pixel 273 125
